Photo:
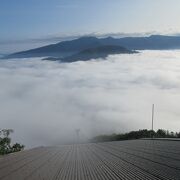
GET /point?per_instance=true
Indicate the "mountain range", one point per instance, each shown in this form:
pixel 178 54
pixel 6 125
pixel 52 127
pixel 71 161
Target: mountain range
pixel 93 53
pixel 92 47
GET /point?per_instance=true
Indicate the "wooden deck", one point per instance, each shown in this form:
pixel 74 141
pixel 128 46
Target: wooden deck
pixel 126 160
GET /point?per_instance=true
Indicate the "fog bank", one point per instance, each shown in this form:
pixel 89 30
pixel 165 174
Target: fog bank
pixel 44 102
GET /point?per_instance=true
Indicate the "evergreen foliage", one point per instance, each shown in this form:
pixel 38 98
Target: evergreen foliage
pixel 6 146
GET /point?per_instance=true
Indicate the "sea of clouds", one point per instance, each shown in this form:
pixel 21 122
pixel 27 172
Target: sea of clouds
pixel 45 102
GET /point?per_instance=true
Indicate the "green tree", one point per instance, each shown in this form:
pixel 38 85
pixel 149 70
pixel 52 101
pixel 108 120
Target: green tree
pixel 178 135
pixel 161 133
pixel 5 143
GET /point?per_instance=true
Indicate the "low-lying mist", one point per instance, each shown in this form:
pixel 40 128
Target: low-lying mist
pixel 45 102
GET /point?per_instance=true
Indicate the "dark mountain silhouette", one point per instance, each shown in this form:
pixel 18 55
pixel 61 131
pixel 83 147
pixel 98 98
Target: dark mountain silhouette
pixel 154 42
pixel 69 48
pixel 61 49
pixel 94 53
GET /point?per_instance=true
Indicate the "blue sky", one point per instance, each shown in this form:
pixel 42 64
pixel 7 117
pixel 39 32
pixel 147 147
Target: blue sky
pixel 22 20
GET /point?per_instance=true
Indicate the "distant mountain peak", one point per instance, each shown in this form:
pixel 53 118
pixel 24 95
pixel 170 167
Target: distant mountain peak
pixel 109 37
pixel 94 53
pixel 68 48
pixel 87 38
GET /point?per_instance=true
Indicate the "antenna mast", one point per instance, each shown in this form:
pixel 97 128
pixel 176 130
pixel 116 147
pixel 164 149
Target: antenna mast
pixel 152 119
pixel 77 134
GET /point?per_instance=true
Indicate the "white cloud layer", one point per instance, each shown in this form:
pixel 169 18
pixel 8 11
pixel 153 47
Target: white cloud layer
pixel 44 102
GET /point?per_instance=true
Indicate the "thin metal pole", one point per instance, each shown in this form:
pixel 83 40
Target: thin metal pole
pixel 77 133
pixel 152 119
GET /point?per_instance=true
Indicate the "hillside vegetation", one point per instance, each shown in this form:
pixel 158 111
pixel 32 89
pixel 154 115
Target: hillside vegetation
pixel 160 133
pixel 6 146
